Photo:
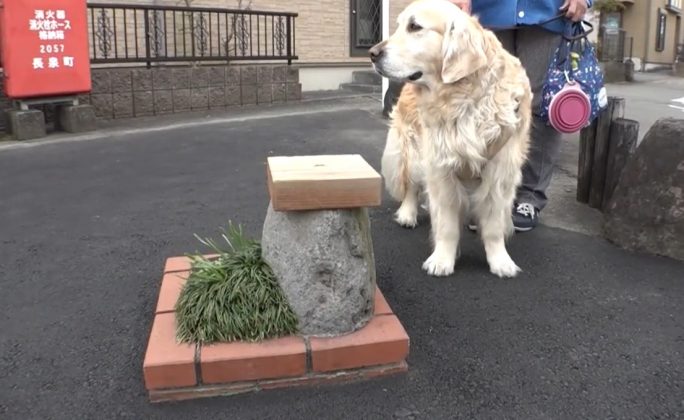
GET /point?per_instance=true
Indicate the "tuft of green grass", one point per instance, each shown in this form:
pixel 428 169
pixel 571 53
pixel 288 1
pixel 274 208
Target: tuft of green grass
pixel 234 297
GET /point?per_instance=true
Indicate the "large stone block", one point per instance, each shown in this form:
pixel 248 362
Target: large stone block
pixel 199 77
pixel 217 97
pixel 217 75
pixel 233 76
pixel 101 81
pixel 122 81
pixel 200 98
pixel 181 78
pixel 646 211
pixel 123 105
pixel 143 103
pixel 248 75
pixel 280 74
pixel 233 95
pixel 163 101
pixel 162 79
pixel 292 74
pixel 26 124
pixel 265 75
pixel 265 94
pixel 104 104
pixel 76 118
pixel 181 100
pixel 279 92
pixel 325 264
pixel 142 80
pixel 248 94
pixel 82 99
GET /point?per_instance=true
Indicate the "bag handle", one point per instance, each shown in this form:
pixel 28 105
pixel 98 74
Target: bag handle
pixel 580 31
pixel 573 40
pixel 544 22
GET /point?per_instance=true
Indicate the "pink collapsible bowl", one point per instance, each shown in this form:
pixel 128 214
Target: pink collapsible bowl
pixel 570 109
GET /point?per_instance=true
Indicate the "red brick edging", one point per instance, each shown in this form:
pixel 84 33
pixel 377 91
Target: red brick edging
pixel 174 371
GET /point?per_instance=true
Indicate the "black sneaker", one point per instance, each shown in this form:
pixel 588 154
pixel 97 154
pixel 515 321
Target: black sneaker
pixel 525 217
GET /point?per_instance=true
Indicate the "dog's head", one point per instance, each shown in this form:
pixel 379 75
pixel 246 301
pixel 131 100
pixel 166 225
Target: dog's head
pixel 435 43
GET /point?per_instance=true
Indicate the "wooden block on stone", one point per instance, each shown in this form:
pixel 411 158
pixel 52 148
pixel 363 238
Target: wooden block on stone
pixel 322 182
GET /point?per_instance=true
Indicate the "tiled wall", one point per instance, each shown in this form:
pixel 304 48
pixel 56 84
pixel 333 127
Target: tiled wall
pixel 123 93
pixel 136 92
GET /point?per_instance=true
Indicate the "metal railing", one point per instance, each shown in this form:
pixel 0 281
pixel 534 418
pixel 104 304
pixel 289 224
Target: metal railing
pixel 125 33
pixel 612 45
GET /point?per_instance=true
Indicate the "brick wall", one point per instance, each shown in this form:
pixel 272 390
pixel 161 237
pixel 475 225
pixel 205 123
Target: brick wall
pixel 136 92
pixel 396 7
pixel 122 93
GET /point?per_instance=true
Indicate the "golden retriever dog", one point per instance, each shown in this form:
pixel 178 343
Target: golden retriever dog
pixel 459 131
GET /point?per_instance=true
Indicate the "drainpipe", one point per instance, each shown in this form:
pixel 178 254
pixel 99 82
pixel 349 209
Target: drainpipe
pixel 648 34
pixel 385 35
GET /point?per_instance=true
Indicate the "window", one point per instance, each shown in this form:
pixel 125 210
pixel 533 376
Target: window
pixel 366 25
pixel 660 34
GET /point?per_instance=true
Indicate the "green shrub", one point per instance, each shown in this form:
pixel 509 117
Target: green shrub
pixel 234 297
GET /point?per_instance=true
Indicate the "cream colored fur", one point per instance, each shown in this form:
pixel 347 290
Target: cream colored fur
pixel 459 132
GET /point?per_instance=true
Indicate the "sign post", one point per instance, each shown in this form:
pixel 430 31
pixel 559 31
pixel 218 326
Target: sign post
pixel 44 48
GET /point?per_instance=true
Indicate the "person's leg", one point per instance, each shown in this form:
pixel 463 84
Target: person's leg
pixel 507 39
pixel 391 96
pixel 535 47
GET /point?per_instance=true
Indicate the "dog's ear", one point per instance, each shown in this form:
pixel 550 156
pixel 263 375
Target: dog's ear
pixel 463 49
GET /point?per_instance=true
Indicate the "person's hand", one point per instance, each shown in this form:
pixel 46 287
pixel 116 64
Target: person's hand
pixel 462 4
pixel 575 9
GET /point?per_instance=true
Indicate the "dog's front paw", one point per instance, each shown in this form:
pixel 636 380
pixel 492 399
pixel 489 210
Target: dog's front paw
pixel 503 266
pixel 439 265
pixel 406 218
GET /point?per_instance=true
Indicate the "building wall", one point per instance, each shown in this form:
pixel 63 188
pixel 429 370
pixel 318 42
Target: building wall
pixel 634 21
pixel 138 92
pixel 667 55
pixel 322 27
pixel 396 6
pixel 640 20
pixel 322 35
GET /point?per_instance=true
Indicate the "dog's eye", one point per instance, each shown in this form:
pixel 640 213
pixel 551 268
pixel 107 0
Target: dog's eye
pixel 414 27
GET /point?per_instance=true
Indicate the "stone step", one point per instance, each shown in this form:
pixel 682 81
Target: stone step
pixel 361 88
pixel 366 77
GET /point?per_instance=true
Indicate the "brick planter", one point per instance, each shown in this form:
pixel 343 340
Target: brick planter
pixel 174 371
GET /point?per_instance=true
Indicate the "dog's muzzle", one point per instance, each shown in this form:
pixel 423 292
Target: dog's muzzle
pixel 376 52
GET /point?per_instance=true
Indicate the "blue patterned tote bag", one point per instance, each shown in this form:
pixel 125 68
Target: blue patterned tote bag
pixel 575 76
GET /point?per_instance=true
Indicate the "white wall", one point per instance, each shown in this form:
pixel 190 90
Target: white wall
pixel 326 78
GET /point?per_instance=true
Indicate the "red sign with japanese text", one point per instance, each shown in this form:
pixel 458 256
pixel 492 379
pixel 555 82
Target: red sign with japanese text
pixel 44 47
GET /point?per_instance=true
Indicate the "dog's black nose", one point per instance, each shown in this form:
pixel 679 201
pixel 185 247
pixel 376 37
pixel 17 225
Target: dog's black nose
pixel 375 53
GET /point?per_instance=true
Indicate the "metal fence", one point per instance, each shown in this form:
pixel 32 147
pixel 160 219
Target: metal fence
pixel 125 33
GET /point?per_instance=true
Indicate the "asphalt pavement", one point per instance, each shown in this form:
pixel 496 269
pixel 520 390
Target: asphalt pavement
pixel 586 331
